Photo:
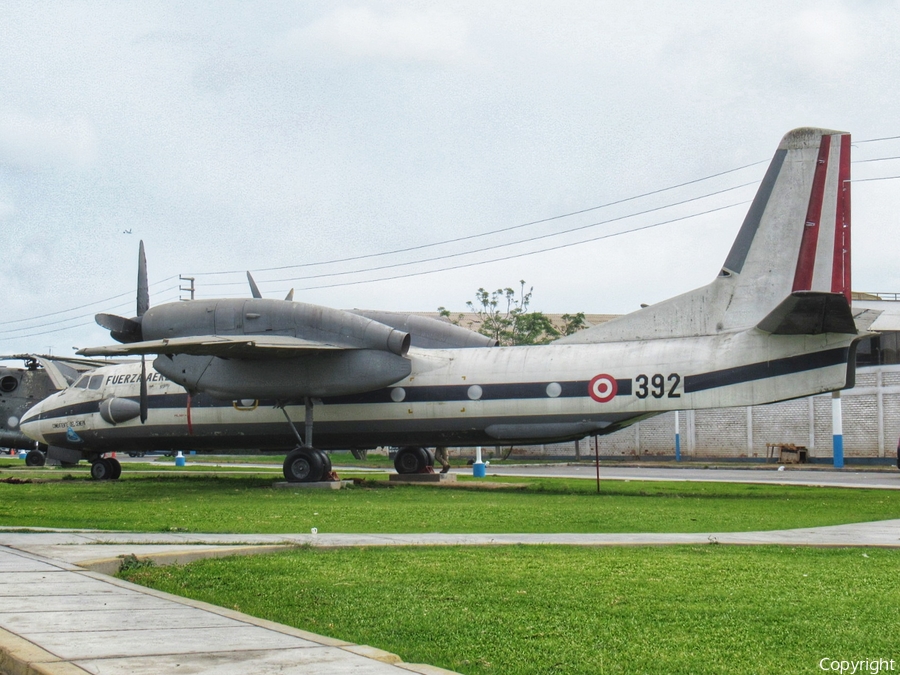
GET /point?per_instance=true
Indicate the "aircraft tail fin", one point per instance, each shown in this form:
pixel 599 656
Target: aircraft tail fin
pixel 794 239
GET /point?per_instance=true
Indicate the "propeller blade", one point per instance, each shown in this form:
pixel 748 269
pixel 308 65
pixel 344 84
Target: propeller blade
pixel 120 328
pixel 290 296
pixel 143 288
pixel 143 389
pixel 254 289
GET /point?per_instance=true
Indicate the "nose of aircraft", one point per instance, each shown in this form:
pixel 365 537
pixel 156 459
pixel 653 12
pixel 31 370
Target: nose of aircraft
pixel 30 423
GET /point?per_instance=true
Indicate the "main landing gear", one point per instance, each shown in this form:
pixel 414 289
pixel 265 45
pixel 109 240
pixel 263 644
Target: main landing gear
pixel 413 459
pixel 306 464
pixel 105 468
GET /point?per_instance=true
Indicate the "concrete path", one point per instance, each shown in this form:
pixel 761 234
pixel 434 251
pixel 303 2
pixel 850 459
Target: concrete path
pixel 60 615
pixel 59 619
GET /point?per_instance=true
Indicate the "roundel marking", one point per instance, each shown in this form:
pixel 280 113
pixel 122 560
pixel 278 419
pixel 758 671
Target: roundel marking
pixel 603 388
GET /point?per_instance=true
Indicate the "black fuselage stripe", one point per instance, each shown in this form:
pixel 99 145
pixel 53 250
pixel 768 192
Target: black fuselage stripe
pixel 765 369
pixel 499 392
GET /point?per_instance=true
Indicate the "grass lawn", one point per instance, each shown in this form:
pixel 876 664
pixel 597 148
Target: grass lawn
pixel 227 502
pixel 550 609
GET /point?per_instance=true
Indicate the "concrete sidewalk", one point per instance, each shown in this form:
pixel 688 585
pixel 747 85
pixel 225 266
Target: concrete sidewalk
pixel 61 615
pixel 59 619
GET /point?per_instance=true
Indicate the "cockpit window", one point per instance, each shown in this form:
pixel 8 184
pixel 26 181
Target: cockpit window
pixel 96 382
pixel 82 383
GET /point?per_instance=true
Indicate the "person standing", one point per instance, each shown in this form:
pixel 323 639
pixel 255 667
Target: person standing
pixel 440 455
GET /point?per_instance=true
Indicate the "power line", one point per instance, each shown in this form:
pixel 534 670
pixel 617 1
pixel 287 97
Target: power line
pixel 491 232
pixel 448 241
pixel 90 304
pixel 522 255
pixel 505 244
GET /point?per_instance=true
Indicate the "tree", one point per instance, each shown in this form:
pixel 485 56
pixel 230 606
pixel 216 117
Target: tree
pixel 504 316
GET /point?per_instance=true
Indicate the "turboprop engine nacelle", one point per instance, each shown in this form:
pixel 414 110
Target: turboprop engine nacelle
pixel 261 316
pixel 332 373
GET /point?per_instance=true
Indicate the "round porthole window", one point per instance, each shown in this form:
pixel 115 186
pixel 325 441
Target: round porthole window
pixel 8 384
pixel 398 394
pixel 475 392
pixel 554 389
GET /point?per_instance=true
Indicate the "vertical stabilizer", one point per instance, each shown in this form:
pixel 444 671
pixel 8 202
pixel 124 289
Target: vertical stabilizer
pixel 794 238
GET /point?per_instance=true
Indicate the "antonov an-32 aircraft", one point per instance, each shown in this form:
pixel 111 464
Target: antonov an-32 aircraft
pixel 774 324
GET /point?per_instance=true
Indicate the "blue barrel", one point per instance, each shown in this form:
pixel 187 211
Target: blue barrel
pixel 179 460
pixel 479 470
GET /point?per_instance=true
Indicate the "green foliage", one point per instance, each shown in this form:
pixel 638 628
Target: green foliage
pixel 552 609
pixel 131 563
pixel 503 315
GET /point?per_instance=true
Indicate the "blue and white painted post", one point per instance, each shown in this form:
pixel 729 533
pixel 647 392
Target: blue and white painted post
pixel 478 468
pixel 677 439
pixel 837 430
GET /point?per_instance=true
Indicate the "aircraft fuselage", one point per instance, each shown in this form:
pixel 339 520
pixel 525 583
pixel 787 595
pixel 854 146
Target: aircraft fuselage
pixel 462 397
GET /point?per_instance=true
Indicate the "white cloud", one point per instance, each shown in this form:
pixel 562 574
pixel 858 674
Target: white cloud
pixel 30 141
pixel 359 33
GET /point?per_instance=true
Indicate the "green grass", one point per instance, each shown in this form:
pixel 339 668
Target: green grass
pixel 247 504
pixel 547 609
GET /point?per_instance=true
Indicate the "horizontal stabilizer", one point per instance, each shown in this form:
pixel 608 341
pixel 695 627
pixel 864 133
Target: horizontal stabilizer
pixel 236 346
pixel 810 313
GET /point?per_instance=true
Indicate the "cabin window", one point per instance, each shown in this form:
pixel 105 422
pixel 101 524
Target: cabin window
pixel 8 384
pixel 82 383
pixel 96 382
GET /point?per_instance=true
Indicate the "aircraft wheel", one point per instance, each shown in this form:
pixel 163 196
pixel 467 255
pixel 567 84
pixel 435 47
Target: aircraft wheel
pixel 430 457
pixel 35 458
pixel 326 462
pixel 101 469
pixel 116 468
pixel 303 465
pixel 411 460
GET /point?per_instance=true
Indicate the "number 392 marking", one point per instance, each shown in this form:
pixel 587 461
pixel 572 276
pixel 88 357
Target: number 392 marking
pixel 657 385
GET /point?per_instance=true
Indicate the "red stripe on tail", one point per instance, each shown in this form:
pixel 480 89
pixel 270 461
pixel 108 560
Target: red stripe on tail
pixel 806 261
pixel 840 270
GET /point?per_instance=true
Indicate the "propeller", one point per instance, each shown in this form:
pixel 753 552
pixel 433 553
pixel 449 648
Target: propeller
pixel 143 304
pixel 143 390
pixel 129 330
pixel 254 289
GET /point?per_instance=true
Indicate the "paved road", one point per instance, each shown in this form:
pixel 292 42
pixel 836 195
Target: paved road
pixel 886 478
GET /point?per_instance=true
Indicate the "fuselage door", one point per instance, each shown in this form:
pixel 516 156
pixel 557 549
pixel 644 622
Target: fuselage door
pixel 228 317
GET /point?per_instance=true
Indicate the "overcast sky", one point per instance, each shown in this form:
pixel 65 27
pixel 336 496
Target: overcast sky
pixel 235 136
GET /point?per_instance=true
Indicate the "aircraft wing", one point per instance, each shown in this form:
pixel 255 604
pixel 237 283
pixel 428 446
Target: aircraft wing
pixel 235 346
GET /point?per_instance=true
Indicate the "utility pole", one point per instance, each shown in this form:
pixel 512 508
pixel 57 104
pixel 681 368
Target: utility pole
pixel 189 288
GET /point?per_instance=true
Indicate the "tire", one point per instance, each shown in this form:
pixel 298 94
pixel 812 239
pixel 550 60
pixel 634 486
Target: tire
pixel 35 458
pixel 429 457
pixel 101 470
pixel 411 460
pixel 303 465
pixel 326 462
pixel 116 468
